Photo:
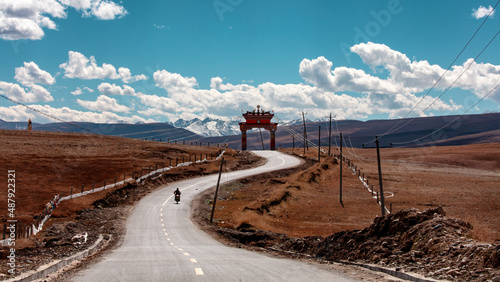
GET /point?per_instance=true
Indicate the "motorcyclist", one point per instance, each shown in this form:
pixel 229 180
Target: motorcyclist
pixel 177 192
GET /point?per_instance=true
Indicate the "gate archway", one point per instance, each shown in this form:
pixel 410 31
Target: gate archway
pixel 258 119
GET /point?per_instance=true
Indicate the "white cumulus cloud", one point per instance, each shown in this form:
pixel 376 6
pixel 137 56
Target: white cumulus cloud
pixel 79 66
pixel 112 89
pixel 482 12
pixel 101 9
pixel 26 19
pixel 405 77
pixel 79 91
pixel 394 91
pixel 103 104
pixel 173 81
pixel 35 94
pixel 107 10
pixel 30 74
pixel 20 113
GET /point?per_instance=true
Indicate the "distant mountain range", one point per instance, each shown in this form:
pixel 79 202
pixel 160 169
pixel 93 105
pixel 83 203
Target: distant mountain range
pixel 411 132
pixel 209 127
pixel 150 131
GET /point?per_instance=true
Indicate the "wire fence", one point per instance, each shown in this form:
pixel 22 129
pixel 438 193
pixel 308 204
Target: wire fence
pixel 23 230
pixel 364 180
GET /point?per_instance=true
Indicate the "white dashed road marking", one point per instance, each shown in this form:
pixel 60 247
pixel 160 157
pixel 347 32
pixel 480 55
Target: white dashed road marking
pixel 198 271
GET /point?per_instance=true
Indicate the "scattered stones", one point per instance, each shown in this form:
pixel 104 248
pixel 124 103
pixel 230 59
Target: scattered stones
pixel 409 239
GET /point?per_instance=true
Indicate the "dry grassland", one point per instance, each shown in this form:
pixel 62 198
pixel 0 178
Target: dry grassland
pixel 464 180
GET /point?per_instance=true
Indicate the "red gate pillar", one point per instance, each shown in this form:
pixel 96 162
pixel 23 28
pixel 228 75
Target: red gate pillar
pixel 273 141
pixel 243 140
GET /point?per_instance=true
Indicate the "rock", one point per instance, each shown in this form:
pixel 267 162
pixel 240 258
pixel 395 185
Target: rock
pixel 453 272
pixel 493 260
pixel 434 243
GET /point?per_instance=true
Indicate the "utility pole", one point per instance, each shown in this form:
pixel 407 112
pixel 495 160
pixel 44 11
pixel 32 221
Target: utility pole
pixel 305 133
pixel 293 143
pixel 382 204
pixel 330 136
pixel 341 157
pixel 216 190
pixel 319 143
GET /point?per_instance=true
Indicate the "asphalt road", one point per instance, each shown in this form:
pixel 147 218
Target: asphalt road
pixel 162 244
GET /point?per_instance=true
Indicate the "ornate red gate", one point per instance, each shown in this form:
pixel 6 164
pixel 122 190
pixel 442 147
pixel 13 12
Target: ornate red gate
pixel 258 119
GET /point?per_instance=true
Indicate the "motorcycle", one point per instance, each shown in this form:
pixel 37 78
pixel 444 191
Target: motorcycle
pixel 177 198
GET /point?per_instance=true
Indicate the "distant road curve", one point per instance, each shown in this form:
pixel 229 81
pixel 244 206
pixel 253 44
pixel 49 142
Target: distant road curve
pixel 162 244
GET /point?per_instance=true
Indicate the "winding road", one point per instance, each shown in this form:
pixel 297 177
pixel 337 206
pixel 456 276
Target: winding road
pixel 162 244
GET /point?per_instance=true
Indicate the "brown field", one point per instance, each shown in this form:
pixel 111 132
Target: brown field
pixel 49 163
pixel 464 180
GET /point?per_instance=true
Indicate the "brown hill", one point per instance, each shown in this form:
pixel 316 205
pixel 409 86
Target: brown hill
pixel 417 132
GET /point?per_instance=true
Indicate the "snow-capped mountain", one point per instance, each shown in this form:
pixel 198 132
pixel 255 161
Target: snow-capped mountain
pixel 210 127
pixel 298 122
pixel 215 127
pixel 291 122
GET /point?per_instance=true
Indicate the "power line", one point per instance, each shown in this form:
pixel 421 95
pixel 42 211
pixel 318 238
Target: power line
pixel 480 100
pixel 149 131
pixel 45 114
pixel 451 85
pixel 83 128
pixel 355 155
pixel 440 78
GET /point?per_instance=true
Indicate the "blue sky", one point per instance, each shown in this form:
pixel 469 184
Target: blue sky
pixel 109 61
